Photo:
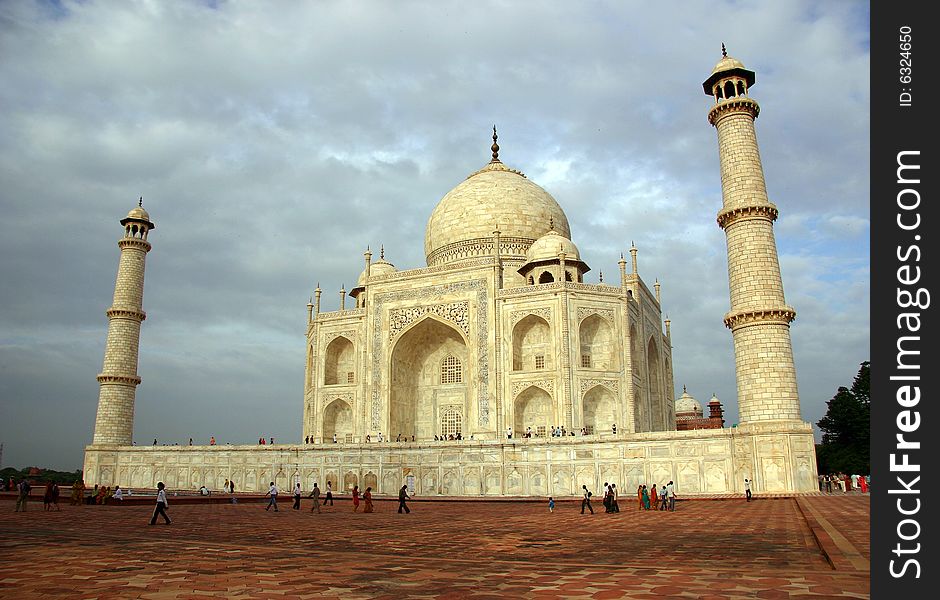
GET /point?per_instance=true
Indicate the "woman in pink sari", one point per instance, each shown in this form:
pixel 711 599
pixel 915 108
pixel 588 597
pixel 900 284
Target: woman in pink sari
pixel 355 495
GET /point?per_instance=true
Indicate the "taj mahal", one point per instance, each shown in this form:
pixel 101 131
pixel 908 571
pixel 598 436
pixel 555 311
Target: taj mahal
pixel 498 346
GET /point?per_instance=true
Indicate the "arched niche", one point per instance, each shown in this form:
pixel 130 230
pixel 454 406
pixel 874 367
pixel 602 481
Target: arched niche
pixel 338 419
pixel 599 410
pixel 597 344
pixel 340 364
pixel 546 277
pixel 533 408
pixel 655 379
pixel 420 388
pixel 531 337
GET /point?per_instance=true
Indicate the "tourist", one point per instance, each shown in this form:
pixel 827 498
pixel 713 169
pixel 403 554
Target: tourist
pixel 47 497
pixel 863 484
pixel 586 502
pixel 846 483
pixel 55 495
pixel 563 431
pixel 315 494
pixel 664 495
pixel 102 495
pixel 828 483
pixel 272 440
pixel 190 441
pixel 368 438
pixel 162 505
pixel 822 482
pixel 225 487
pixel 367 501
pixel 554 433
pixel 212 440
pixel 203 491
pixel 272 492
pixel 747 489
pixel 231 490
pixel 671 493
pixel 307 439
pixel 654 499
pixel 639 497
pixel 613 497
pixel 334 438
pixel 22 495
pixel 646 499
pixel 614 429
pixel 398 439
pixel 296 496
pixel 402 498
pixel 154 441
pixel 329 494
pixel 509 433
pixel 355 497
pixel 551 504
pixel 118 493
pixel 77 493
pixel 380 437
pixel 606 497
pixel 412 437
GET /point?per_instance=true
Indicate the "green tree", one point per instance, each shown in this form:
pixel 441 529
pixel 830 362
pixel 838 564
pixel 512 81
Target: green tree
pixel 846 428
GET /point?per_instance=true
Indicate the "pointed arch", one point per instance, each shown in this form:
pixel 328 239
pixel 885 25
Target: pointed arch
pixel 597 344
pixel 546 277
pixel 419 387
pixel 337 419
pixel 655 380
pixel 531 338
pixel 340 362
pixel 599 410
pixel 533 407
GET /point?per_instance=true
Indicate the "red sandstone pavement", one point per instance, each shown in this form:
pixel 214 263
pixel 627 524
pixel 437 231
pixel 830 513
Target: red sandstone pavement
pixel 813 546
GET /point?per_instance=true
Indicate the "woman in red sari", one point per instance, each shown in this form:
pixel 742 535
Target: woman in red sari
pixel 367 499
pixel 355 495
pixel 863 483
pixel 639 496
pixel 653 496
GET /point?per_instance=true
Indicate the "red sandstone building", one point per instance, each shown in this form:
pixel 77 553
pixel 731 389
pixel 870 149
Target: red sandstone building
pixel 689 413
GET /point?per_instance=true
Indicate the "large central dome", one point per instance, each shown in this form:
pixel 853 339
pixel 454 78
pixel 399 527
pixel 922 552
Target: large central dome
pixel 463 222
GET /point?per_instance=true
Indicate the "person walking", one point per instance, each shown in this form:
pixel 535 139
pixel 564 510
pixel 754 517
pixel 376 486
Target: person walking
pixel 664 495
pixel 639 497
pixel 586 502
pixel 55 495
pixel 22 496
pixel 47 497
pixel 160 508
pixel 355 497
pixel 613 498
pixel 551 504
pixel 402 498
pixel 646 498
pixel 296 505
pixel 329 494
pixel 747 489
pixel 654 499
pixel 671 493
pixel 367 501
pixel 315 494
pixel 231 490
pixel 272 491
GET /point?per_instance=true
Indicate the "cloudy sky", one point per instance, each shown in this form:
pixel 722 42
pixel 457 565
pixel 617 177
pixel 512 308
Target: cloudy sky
pixel 273 141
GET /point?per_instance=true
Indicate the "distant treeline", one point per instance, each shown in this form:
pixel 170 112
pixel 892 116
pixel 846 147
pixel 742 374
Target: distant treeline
pixel 39 475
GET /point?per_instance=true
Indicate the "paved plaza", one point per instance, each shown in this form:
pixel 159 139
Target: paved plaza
pixel 815 546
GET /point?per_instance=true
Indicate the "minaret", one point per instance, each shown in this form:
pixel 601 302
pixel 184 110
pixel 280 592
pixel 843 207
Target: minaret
pixel 115 421
pixel 759 318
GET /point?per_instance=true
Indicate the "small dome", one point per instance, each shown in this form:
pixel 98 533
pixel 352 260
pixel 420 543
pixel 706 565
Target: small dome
pixel 714 399
pixel 727 63
pixel 140 215
pixel 549 246
pixel 379 267
pixel 687 404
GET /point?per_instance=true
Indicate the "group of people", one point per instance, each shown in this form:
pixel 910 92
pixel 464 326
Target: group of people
pixel 841 482
pixel 262 441
pixel 363 498
pixel 559 431
pixel 647 498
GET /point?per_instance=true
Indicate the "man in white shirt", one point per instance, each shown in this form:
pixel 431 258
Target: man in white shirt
pixel 118 494
pixel 671 494
pixel 747 489
pixel 273 493
pixel 162 505
pixel 509 433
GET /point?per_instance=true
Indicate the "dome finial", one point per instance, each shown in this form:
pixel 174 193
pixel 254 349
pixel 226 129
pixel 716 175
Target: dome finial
pixel 683 387
pixel 724 52
pixel 382 253
pixel 495 147
pixel 140 202
pixel 551 223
